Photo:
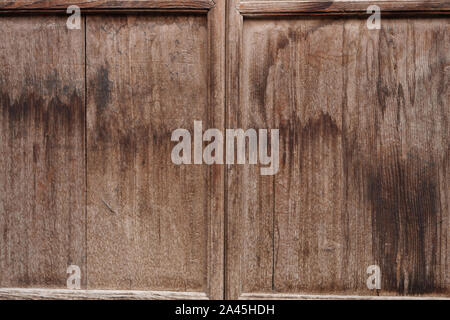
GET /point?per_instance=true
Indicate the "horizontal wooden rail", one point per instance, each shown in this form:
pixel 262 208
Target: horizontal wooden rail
pixel 65 294
pixel 341 7
pixel 105 5
pixel 281 296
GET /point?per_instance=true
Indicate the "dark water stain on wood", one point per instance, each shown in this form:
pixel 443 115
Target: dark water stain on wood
pixel 42 136
pixel 309 135
pixel 103 87
pixel 404 198
pixel 37 113
pixel 259 76
pixel 321 130
pixel 320 127
pixel 102 97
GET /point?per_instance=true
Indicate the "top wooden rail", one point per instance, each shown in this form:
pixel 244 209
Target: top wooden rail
pixel 244 7
pixel 343 7
pixel 105 5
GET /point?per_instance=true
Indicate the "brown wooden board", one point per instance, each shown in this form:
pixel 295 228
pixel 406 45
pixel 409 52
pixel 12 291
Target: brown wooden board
pixel 42 154
pixel 148 219
pixel 364 150
pixel 364 157
pixel 345 7
pixel 105 5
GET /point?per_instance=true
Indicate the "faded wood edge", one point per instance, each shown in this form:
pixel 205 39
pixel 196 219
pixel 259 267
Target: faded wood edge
pixel 66 294
pixel 105 6
pixel 281 296
pixel 345 7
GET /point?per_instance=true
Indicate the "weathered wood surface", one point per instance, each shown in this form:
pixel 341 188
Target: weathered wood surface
pixel 147 218
pixel 284 296
pixel 280 7
pixel 363 116
pixel 42 156
pixel 104 5
pixel 364 170
pixel 233 225
pixel 64 294
pixel 216 119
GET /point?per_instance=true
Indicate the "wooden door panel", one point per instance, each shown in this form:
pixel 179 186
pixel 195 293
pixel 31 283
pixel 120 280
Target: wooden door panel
pixel 363 118
pixel 42 188
pixel 150 229
pixel 147 217
pixel 152 225
pixel 364 149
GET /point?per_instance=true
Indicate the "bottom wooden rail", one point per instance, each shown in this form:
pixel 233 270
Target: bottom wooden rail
pixel 65 294
pixel 283 296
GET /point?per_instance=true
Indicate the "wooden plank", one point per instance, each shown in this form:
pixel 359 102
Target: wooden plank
pixel 147 217
pixel 216 118
pixel 64 294
pixel 233 186
pixel 396 152
pixel 290 80
pixel 341 7
pixel 364 157
pixel 42 189
pixel 104 5
pixel 281 296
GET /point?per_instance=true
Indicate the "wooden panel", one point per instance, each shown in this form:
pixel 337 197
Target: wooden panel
pixel 147 218
pixel 233 186
pixel 216 119
pixel 364 157
pixel 105 5
pixel 287 296
pixel 61 294
pixel 345 7
pixel 397 151
pixel 42 195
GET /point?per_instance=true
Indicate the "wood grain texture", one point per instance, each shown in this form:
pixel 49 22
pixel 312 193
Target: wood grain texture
pixel 42 188
pixel 364 168
pixel 64 294
pixel 216 119
pixel 364 157
pixel 397 150
pixel 233 186
pixel 105 5
pixel 284 296
pixel 341 7
pixel 148 219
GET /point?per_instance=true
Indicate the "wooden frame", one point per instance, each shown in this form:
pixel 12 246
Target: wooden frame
pixel 340 7
pixel 59 294
pixel 215 15
pixel 216 98
pixel 237 11
pixel 66 294
pixel 224 45
pixel 106 5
